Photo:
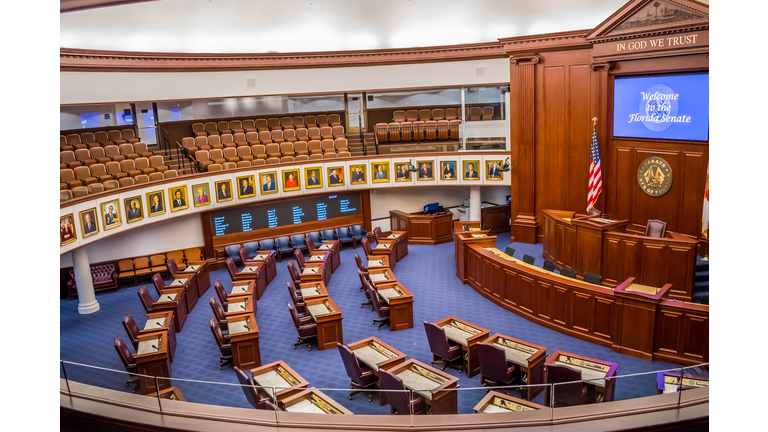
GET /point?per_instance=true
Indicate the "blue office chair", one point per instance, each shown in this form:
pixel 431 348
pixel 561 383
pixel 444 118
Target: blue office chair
pixel 283 245
pixel 315 236
pixel 345 236
pixel 233 251
pixel 267 244
pixel 328 234
pixel 358 231
pixel 252 248
pixel 298 242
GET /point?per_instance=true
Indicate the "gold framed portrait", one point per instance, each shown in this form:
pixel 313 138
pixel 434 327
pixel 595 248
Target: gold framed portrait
pixel 448 170
pixel 469 170
pixel 291 180
pixel 425 172
pixel 357 174
pixel 268 181
pixel 401 172
pixel 178 197
pixel 67 226
pixel 110 212
pixel 155 203
pixel 89 226
pixel 223 190
pixel 201 195
pixel 133 209
pixel 380 171
pixel 493 170
pixel 335 176
pixel 313 177
pixel 246 186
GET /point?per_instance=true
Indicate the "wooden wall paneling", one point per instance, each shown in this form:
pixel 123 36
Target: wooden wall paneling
pixel 654 265
pixel 497 281
pixel 693 181
pixel 630 259
pixel 669 325
pixel 680 262
pixel 419 230
pixel 695 341
pixel 525 287
pixel 551 147
pixel 582 311
pixel 621 193
pixel 611 264
pixel 604 317
pixel 510 297
pixel 569 249
pixel 578 138
pixel 561 310
pixel 365 200
pixel 544 294
pixel 205 221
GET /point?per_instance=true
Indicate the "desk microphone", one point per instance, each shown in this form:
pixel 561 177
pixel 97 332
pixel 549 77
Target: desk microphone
pixel 156 348
pixel 246 327
pixel 242 307
pixel 169 298
pixel 158 324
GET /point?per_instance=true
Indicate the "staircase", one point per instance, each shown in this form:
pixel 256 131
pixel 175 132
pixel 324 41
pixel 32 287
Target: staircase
pixel 370 143
pixel 701 282
pixel 356 146
pixel 174 163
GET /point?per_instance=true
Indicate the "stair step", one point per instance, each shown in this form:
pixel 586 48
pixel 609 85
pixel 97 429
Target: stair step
pixel 701 286
pixel 702 276
pixel 702 298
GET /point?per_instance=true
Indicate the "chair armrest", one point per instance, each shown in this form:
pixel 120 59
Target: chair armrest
pixel 226 346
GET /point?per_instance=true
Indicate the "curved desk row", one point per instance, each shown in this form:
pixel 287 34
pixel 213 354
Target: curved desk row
pixel 602 246
pixel 632 319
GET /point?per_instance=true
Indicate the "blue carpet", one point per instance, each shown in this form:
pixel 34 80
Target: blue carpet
pixel 428 272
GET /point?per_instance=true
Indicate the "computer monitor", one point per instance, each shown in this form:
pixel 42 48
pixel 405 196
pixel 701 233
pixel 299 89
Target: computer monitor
pixel 431 207
pixel 509 199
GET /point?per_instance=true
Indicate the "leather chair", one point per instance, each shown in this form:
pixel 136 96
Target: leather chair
pixel 327 234
pixel 298 242
pixel 364 284
pixel 315 236
pixel 299 257
pixel 232 251
pixel 221 293
pixel 444 352
pixel 224 348
pixel 256 399
pixel 345 236
pixel 656 228
pixel 298 303
pixel 132 330
pixel 528 259
pixel 380 309
pixel 130 364
pixel 283 244
pixel 307 331
pixel 494 369
pixel 401 401
pixel 574 393
pixel 549 265
pixel 358 232
pixel 252 248
pixel 295 278
pixel 158 282
pixel 146 299
pixel 173 268
pixel 592 278
pixel 310 243
pixel 242 253
pixel 567 272
pixel 378 234
pixel 366 247
pixel 219 316
pixel 359 263
pixel 361 375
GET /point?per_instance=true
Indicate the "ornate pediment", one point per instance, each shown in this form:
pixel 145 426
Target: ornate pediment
pixel 649 17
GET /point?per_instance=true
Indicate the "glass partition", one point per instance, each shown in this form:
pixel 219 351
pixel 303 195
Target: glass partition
pixel 485 113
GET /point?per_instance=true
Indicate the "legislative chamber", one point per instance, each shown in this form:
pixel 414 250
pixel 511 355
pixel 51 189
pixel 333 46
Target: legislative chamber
pixel 382 228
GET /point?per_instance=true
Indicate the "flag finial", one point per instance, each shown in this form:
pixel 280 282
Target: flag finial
pixel 594 119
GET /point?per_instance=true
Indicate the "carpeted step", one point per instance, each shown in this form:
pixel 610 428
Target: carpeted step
pixel 701 286
pixel 701 276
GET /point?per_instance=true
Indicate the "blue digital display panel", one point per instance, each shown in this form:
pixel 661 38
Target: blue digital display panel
pixel 673 107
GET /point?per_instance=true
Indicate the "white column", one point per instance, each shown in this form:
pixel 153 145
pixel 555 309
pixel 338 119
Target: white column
pixel 85 294
pixel 474 203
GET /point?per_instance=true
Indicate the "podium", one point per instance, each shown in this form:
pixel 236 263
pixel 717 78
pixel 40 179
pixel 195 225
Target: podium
pixel 152 359
pixel 636 306
pixel 244 339
pixel 400 302
pixel 173 300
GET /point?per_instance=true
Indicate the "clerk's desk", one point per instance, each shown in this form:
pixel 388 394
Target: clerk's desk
pixel 278 380
pixel 256 271
pixel 468 335
pixel 527 356
pixel 669 382
pixel 388 248
pixel 243 288
pixel 400 302
pixel 162 322
pixel 327 315
pixel 266 261
pixel 200 272
pixel 312 401
pixel 597 373
pixel 189 284
pixel 376 354
pixel 497 402
pixel 603 246
pixel 313 290
pixel 423 229
pixel 173 300
pixel 152 360
pixel 434 384
pixel 334 247
pixel 244 339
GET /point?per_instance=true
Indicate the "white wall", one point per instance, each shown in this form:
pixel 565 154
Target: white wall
pixel 99 87
pixel 173 234
pixel 495 194
pixel 412 199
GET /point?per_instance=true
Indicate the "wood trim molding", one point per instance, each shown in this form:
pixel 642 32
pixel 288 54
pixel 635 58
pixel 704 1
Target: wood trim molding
pixel 601 33
pixel 83 60
pixel 604 66
pixel 546 42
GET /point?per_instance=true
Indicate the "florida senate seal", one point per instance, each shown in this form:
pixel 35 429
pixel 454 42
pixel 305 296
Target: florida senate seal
pixel 654 176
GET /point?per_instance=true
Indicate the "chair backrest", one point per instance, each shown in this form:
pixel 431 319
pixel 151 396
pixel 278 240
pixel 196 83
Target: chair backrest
pixel 217 334
pixel 298 121
pixel 328 234
pixel 283 242
pixel 359 262
pixel 172 267
pixel 568 272
pixel 146 299
pixel 594 212
pixel 377 233
pixel 242 253
pixel 131 329
pixel 398 116
pixel 425 114
pixel 592 278
pixel 247 385
pixel 157 260
pixel 438 342
pixel 398 398
pixel 251 248
pixel 366 246
pixel 314 235
pixel 218 312
pixel 528 259
pixel 364 282
pixel 357 230
pixel 231 268
pixel 509 251
pixel 298 240
pixel 292 292
pixel 656 228
pixel 267 244
pixel 233 251
pixel 125 265
pixel 342 232
pixel 294 273
pixel 549 265
pixel 157 280
pixel 299 257
pixel 125 354
pixel 193 254
pixel 220 292
pixel 294 315
pixel 352 366
pixel 493 362
pixel 309 242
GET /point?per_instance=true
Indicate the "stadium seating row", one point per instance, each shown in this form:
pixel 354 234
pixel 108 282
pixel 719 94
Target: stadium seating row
pixel 259 154
pixel 87 140
pixel 264 137
pixel 437 114
pixel 265 124
pixel 417 131
pixel 88 157
pixel 79 191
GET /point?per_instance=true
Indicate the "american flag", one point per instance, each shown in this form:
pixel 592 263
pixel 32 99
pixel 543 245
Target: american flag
pixel 595 175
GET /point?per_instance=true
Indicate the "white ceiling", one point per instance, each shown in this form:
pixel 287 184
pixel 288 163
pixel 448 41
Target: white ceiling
pixel 252 26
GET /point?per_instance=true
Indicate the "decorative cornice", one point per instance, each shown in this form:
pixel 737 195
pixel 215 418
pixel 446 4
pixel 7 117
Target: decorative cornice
pixel 524 59
pixel 606 66
pixel 545 42
pixel 71 59
pixel 601 33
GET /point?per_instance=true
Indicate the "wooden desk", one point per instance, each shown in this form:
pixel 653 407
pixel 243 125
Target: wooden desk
pixel 238 305
pixel 334 247
pixel 421 228
pixel 377 262
pixel 462 238
pixel 321 256
pixel 173 300
pixel 269 260
pixel 312 400
pixel 496 218
pixel 434 384
pixel 605 247
pixel 469 226
pixel 314 272
pixel 497 402
pixel 376 354
pixel 468 335
pixel 401 243
pixel 381 275
pixel 400 302
pixel 278 380
pixel 529 357
pixel 669 382
pixel 244 338
pixel 597 373
pixel 172 393
pixel 327 315
pixel 200 272
pixel 162 322
pixel 243 288
pixel 189 283
pixel 636 307
pixel 313 290
pixel 152 359
pixel 254 271
pixel 387 248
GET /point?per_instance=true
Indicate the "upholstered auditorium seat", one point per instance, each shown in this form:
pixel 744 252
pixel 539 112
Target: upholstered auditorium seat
pixel 158 164
pixel 79 191
pixel 156 176
pixel 487 113
pixel 337 131
pixel 326 132
pixel 394 132
pixel 188 143
pixel 310 121
pixel 223 127
pixel 214 167
pixel 298 122
pixel 411 115
pixel 250 138
pixel 244 154
pixel 290 135
pixel 98 187
pixel 142 164
pixel 199 129
pixel 425 115
pixel 443 129
pixel 125 270
pixel 113 152
pixel 236 126
pixel 128 166
pixel 334 120
pixel 301 149
pixel 322 120
pixel 65 195
pixel 475 113
pixel 418 130
pixel 97 154
pixel 274 124
pixel 382 132
pixel 141 267
pixel 129 136
pixel 406 131
pixel 451 114
pixel 314 133
pixel 302 134
pixel 430 130
pixel 286 123
pixel 454 127
pixel 328 147
pixel 438 114
pixel 315 147
pixel 178 258
pixel 249 125
pixel 227 140
pixel 277 136
pixel 76 142
pixel 261 125
pixel 67 157
pixel 89 140
pixel 214 141
pixel 84 156
pixel 210 128
pixel 83 174
pixel 116 137
pixel 259 152
pixel 265 137
pixel 103 138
